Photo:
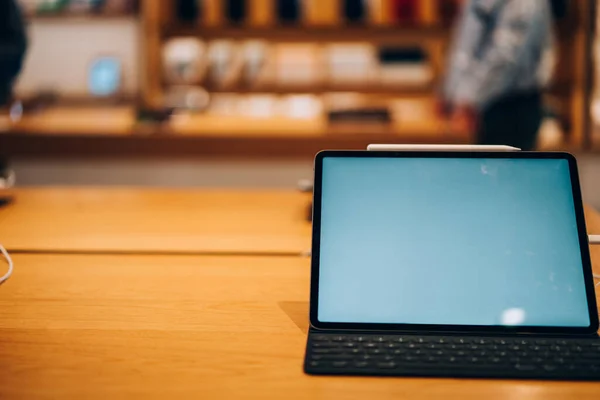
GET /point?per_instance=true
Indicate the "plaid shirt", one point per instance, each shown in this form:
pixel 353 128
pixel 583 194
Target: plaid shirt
pixel 500 47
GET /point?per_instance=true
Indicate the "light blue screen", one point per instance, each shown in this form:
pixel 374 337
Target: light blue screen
pixel 450 241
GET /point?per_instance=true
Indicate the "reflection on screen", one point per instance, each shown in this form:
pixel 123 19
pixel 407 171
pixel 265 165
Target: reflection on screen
pixel 450 241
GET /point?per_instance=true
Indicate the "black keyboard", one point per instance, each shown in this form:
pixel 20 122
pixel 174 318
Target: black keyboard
pixel 453 356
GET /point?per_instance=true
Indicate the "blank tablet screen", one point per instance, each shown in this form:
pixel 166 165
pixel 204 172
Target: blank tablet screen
pixel 450 241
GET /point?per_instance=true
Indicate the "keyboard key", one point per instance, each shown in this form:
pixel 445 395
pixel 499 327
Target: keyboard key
pixel 370 346
pixel 324 345
pixel 337 338
pixel 525 367
pixel 314 364
pixel 339 364
pixel 361 364
pixel 320 338
pixel 387 365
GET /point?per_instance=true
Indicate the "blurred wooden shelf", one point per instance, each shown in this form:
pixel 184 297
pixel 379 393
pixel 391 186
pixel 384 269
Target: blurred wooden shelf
pixel 371 89
pixel 307 33
pixel 76 133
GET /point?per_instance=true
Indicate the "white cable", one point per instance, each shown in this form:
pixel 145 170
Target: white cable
pixel 594 239
pixel 10 265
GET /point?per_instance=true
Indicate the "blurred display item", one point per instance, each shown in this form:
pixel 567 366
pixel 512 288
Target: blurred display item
pixel 236 11
pixel 105 76
pixel 322 13
pixel 355 108
pixel 184 61
pixel 78 7
pixel 289 11
pixel 256 54
pixel 225 63
pixel 355 11
pixel 449 9
pixel 405 11
pixel 120 6
pixel 261 106
pixel 188 11
pixel 298 64
pixel 83 6
pixel 305 107
pixel 261 13
pixel 188 98
pixel 405 66
pixel 429 11
pixel 224 104
pixel 352 64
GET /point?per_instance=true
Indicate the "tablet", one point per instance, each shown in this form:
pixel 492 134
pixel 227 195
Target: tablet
pixel 476 240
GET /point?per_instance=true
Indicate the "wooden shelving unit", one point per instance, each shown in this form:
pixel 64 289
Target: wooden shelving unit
pixel 160 25
pixel 116 131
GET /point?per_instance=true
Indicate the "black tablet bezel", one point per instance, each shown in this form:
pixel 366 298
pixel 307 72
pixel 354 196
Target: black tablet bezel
pixel 492 329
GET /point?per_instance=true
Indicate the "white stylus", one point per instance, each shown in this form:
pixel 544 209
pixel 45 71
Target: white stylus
pixel 439 147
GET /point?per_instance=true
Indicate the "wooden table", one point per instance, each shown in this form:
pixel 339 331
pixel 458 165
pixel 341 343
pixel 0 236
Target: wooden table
pixel 159 221
pixel 199 327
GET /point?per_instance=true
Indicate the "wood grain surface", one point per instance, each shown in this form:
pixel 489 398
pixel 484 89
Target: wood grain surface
pixel 198 327
pixel 156 220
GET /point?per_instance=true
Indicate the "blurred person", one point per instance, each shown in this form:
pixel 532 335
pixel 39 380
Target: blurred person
pixel 501 59
pixel 13 43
